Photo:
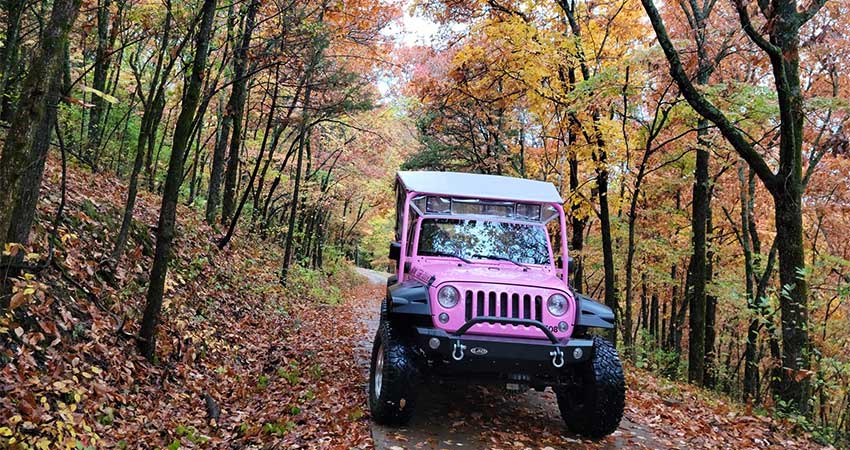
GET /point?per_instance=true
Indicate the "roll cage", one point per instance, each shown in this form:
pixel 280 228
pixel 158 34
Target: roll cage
pixel 416 190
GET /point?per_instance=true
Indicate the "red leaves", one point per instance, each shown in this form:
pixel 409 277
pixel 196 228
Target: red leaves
pixel 697 419
pixel 802 374
pixel 17 300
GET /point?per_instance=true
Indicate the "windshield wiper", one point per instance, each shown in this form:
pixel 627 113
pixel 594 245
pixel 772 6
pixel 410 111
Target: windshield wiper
pixel 499 258
pixel 449 255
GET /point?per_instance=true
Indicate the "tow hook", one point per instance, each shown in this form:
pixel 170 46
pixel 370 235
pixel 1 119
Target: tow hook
pixel 557 357
pixel 457 351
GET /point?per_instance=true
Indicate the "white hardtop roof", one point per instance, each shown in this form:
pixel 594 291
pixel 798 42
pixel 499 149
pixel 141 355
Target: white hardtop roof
pixel 474 185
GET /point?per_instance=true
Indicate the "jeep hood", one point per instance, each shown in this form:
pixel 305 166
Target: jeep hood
pixel 436 273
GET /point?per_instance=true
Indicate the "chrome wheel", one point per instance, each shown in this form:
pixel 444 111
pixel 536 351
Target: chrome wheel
pixel 379 370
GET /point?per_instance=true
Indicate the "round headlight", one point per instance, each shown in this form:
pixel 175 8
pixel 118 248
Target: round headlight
pixel 557 305
pixel 448 296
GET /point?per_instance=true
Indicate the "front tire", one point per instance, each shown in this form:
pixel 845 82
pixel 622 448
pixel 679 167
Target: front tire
pixel 595 407
pixel 392 378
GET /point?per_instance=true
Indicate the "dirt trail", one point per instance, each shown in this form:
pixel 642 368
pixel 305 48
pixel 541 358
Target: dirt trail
pixel 471 417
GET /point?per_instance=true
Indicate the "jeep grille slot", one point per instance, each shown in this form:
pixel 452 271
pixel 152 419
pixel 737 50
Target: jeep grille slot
pixel 503 304
pixel 526 306
pixel 538 307
pixel 468 305
pixel 479 311
pixel 492 303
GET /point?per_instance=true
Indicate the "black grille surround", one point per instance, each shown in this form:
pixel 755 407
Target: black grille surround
pixel 492 303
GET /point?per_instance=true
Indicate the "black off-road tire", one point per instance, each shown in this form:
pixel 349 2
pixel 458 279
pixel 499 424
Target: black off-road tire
pixel 395 401
pixel 595 408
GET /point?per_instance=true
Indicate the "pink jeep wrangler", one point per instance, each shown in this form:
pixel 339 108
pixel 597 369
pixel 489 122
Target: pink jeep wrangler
pixel 480 296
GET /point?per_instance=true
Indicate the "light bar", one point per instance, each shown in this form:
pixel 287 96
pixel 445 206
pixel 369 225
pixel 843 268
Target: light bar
pixel 528 211
pixel 439 205
pixel 460 206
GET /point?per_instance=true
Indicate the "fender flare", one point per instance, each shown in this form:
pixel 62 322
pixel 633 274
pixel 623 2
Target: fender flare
pixel 408 298
pixel 593 314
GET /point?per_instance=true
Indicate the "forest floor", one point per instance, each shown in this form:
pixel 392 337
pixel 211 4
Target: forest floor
pixel 243 362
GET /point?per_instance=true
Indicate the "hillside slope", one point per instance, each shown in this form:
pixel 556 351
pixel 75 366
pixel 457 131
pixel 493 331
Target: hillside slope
pixel 240 358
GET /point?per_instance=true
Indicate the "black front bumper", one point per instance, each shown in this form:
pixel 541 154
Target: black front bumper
pixel 498 358
pixel 500 350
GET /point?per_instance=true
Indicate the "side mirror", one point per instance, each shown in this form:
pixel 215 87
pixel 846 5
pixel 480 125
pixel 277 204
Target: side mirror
pixel 571 264
pixel 395 251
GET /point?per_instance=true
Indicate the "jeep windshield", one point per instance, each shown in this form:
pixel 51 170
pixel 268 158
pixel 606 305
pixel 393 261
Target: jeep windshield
pixel 483 239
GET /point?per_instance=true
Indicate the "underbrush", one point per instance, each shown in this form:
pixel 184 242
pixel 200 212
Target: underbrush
pixel 325 284
pixel 72 377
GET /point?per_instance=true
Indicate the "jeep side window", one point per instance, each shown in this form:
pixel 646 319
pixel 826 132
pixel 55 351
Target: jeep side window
pixel 411 229
pixel 399 210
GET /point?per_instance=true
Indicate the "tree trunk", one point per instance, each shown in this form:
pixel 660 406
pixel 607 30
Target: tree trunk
pixel 22 148
pixel 577 229
pixel 217 167
pixel 14 9
pixel 795 386
pixel 111 85
pixel 607 245
pixel 101 66
pixel 701 199
pixel 168 210
pixel 158 106
pixel 644 306
pixel 578 222
pixel 710 309
pixel 653 319
pixel 30 184
pixel 630 249
pixel 663 337
pixel 193 181
pixel 132 192
pixel 236 106
pixel 698 273
pixel 750 234
pixel 247 192
pixel 670 343
pixel 320 239
pixel 290 231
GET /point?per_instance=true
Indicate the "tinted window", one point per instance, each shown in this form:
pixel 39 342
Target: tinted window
pixel 399 208
pixel 481 239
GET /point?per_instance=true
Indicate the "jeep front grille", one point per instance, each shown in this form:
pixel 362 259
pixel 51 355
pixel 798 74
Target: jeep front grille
pixel 503 304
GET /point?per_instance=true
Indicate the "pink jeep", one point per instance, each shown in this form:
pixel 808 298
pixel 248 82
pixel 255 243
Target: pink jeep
pixel 480 296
